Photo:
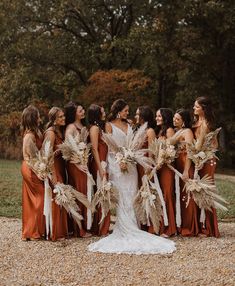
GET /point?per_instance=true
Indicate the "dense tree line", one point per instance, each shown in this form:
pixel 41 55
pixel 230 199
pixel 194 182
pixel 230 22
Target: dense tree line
pixel 167 51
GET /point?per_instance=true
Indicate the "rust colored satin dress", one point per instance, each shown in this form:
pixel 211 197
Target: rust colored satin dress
pixel 96 228
pixel 59 214
pixel 189 214
pixel 166 180
pixel 33 222
pixel 211 221
pixel 78 179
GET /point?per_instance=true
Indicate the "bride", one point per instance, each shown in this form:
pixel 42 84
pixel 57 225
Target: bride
pixel 126 236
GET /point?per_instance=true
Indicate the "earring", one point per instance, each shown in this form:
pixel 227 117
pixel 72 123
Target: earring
pixel 118 115
pixel 183 125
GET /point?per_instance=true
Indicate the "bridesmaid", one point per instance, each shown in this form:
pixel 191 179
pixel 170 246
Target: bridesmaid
pixel 164 119
pixel 96 119
pixel 75 121
pixel 55 134
pixel 204 123
pixel 184 134
pixel 144 114
pixel 33 223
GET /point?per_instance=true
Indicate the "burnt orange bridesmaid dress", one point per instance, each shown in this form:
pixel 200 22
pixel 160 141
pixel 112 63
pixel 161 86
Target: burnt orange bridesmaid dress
pixel 211 222
pixel 33 222
pixel 189 214
pixel 59 214
pixel 166 180
pixel 96 228
pixel 78 179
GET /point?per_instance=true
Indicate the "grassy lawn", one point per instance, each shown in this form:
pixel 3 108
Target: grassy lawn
pixel 10 191
pixel 10 188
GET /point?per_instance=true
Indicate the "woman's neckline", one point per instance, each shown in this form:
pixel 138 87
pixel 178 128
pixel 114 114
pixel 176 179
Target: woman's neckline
pixel 126 133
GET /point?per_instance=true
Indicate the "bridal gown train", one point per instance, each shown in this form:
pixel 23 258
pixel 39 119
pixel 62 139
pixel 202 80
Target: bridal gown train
pixel 126 236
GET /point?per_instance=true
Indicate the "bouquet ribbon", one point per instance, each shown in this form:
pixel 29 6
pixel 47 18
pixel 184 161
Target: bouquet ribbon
pixel 157 187
pixel 47 211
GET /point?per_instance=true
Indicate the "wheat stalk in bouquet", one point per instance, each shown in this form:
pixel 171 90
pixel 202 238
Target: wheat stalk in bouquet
pixel 202 150
pixel 131 152
pixel 147 205
pixel 66 196
pixel 106 197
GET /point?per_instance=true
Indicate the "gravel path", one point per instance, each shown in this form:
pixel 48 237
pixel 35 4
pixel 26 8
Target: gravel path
pixel 197 261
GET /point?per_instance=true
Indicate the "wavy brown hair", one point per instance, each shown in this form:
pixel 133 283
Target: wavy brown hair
pixel 94 115
pixel 147 115
pixel 207 107
pixel 167 121
pixel 70 113
pixel 116 107
pixel 29 120
pixel 186 117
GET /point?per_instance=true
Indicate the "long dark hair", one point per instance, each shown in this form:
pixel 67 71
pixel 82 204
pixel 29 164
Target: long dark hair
pixel 29 120
pixel 186 117
pixel 206 105
pixel 147 115
pixel 94 116
pixel 70 113
pixel 167 121
pixel 52 114
pixel 116 107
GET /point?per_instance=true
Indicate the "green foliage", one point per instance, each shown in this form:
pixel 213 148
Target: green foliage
pixel 50 50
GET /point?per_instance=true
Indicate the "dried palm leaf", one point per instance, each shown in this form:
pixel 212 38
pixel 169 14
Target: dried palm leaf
pixel 135 140
pixel 210 138
pixel 108 139
pixel 131 152
pixel 202 149
pixel 203 192
pixel 67 197
pixel 147 205
pixel 106 197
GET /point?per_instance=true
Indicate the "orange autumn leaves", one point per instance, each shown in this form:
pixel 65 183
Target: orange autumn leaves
pixel 106 86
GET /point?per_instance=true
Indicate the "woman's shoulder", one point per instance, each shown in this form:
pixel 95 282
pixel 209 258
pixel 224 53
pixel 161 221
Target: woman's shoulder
pixel 49 130
pixel 151 132
pixel 29 135
pixel 108 127
pixel 94 129
pixel 170 132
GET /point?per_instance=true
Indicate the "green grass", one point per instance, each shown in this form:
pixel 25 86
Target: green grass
pixel 227 190
pixel 10 188
pixel 10 191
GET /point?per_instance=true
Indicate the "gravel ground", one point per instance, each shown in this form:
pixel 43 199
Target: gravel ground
pixel 197 261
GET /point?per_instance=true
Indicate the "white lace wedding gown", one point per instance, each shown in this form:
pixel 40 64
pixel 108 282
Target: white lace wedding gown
pixel 126 236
